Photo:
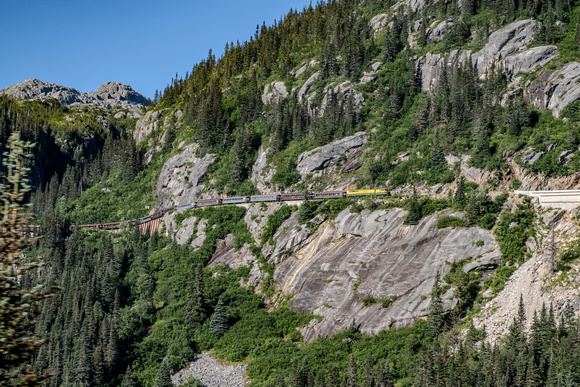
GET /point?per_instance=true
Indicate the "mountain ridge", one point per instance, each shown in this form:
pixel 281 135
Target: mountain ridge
pixel 108 95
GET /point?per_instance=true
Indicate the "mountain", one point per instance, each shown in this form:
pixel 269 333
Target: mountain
pixel 458 108
pixel 108 95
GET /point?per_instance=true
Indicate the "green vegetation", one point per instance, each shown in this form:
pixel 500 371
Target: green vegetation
pixel 134 308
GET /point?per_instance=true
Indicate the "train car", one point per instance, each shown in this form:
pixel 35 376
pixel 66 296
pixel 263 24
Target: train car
pixel 145 219
pixel 292 196
pixel 110 226
pixel 236 200
pixel 263 198
pixel 327 195
pixel 185 206
pixel 208 202
pixel 366 192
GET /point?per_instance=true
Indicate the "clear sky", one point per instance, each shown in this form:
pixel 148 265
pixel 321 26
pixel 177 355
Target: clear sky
pixel 82 44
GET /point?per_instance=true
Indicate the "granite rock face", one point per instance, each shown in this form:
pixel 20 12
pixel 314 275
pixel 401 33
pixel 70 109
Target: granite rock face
pixel 274 92
pixel 342 92
pixel 507 40
pixel 323 158
pixel 108 95
pixel 554 89
pixel 371 254
pixel 262 172
pixel 179 180
pixel 156 122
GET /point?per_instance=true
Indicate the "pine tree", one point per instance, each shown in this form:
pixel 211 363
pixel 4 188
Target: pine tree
pixel 435 316
pixel 352 379
pixel 195 298
pixel 127 379
pixel 333 377
pixel 414 215
pixel 219 322
pixel 460 193
pixel 163 378
pixel 280 380
pixel 18 304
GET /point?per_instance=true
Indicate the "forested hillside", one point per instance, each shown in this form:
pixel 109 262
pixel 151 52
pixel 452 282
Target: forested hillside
pixel 450 105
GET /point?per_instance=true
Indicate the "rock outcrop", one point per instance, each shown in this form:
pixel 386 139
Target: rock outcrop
pixel 179 180
pixel 156 122
pixel 554 89
pixel 108 95
pixel 342 92
pixel 507 40
pixel 371 254
pixel 262 172
pixel 274 92
pixel 325 159
pixel 536 280
pixel 507 49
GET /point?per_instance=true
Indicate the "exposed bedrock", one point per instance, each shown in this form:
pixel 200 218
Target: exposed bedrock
pixel 372 254
pixel 324 158
pixel 179 180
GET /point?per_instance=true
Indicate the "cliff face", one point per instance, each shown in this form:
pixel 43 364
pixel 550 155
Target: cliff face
pixel 371 254
pixel 108 95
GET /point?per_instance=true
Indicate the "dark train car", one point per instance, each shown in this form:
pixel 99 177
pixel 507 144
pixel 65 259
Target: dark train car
pixel 236 200
pixel 208 202
pixel 263 198
pixel 292 196
pixel 328 194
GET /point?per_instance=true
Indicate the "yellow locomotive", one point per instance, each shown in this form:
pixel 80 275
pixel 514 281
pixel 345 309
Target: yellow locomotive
pixel 367 192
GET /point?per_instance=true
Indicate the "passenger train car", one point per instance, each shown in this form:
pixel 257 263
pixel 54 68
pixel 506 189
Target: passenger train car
pixel 242 200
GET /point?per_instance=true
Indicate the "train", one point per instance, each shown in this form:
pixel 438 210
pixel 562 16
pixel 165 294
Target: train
pixel 278 197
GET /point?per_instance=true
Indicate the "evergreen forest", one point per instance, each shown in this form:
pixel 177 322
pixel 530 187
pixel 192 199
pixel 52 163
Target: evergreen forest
pixel 129 308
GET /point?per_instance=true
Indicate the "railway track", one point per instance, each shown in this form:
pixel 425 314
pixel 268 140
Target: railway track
pixel 155 218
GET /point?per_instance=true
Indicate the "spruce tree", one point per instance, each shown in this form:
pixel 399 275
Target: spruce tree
pixel 352 377
pixel 195 298
pixel 333 376
pixel 219 322
pixel 435 317
pixel 460 193
pixel 163 378
pixel 414 215
pixel 18 305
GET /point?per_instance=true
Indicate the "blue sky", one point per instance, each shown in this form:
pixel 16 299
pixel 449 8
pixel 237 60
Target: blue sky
pixel 82 44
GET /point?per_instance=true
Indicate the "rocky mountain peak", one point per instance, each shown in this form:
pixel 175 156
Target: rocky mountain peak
pixel 108 95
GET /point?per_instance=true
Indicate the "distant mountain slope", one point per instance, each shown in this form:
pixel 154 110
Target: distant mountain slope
pixel 108 95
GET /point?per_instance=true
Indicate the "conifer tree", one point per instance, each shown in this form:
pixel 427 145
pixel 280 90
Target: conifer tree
pixel 163 378
pixel 195 298
pixel 333 377
pixel 219 322
pixel 17 305
pixel 352 376
pixel 435 316
pixel 460 193
pixel 414 215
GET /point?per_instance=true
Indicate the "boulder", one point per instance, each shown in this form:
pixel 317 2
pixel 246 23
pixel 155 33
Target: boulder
pixel 322 158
